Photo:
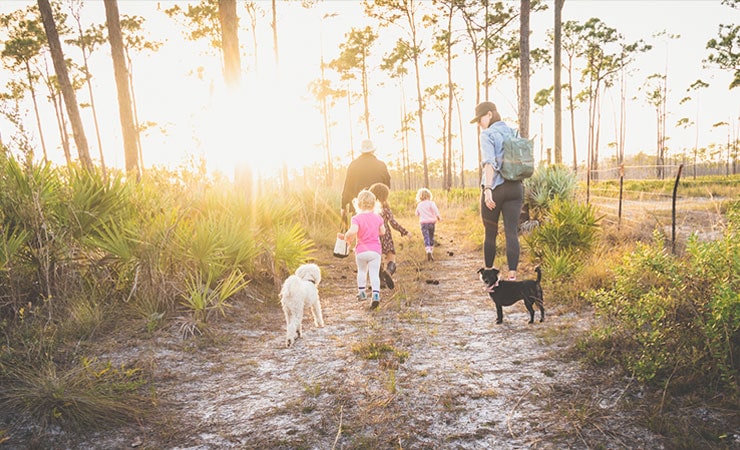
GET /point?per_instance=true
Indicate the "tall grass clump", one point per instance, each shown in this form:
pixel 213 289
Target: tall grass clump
pixel 318 210
pixel 675 321
pixel 545 186
pixel 88 395
pixel 80 251
pixel 565 237
pixel 566 229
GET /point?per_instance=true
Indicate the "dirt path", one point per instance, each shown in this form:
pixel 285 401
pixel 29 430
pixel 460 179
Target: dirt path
pixel 451 377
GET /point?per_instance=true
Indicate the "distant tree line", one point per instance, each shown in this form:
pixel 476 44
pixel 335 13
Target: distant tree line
pixel 592 56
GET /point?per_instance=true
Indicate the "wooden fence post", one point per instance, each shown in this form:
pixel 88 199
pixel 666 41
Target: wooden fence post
pixel 673 212
pixel 621 189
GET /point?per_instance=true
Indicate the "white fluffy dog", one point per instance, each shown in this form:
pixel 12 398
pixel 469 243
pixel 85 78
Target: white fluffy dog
pixel 299 291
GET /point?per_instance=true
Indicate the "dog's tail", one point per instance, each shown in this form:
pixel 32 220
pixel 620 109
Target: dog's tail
pixel 539 273
pixel 290 287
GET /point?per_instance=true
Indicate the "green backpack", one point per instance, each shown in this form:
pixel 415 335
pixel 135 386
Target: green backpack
pixel 518 162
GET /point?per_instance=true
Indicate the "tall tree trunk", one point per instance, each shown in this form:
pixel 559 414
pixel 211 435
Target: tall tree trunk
pixel 365 95
pixel 571 110
pixel 88 77
pixel 448 175
pixel 477 101
pixel 251 11
pixel 462 145
pixel 665 117
pixel 275 35
pixel 524 69
pixel 486 72
pixel 420 102
pixel 134 107
pixel 405 139
pixel 597 136
pixel 325 115
pixel 623 119
pixel 70 100
pixel 56 100
pixel 557 85
pixel 592 117
pixel 122 86
pixel 349 120
pixel 95 119
pixel 36 109
pixel 230 41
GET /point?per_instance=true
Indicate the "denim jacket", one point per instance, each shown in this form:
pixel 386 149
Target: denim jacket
pixel 492 149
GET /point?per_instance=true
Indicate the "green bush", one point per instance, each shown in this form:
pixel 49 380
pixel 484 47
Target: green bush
pixel 546 185
pixel 560 264
pixel 79 251
pixel 678 318
pixel 568 228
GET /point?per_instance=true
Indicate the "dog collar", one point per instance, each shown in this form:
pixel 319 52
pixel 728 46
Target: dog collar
pixel 492 287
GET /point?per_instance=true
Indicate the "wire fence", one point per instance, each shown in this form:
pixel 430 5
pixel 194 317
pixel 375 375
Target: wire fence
pixel 414 177
pixel 677 215
pixel 665 171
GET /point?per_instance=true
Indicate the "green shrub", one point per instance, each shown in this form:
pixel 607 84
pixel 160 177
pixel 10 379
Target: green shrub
pixel 560 264
pixel 568 227
pixel 679 317
pixel 80 251
pixel 546 185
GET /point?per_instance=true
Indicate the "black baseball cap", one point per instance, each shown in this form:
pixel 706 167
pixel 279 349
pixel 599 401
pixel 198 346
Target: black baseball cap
pixel 482 109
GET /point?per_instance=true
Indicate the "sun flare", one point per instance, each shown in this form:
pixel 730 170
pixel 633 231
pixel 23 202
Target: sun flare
pixel 259 125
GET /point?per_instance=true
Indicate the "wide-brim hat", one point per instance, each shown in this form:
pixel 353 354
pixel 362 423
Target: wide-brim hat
pixel 367 146
pixel 482 109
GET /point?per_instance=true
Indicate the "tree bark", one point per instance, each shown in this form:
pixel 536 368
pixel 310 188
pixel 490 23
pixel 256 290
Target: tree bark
pixel 558 91
pixel 230 41
pixel 450 93
pixel 275 36
pixel 70 100
pixel 124 98
pixel 524 69
pixel 84 50
pixel 36 109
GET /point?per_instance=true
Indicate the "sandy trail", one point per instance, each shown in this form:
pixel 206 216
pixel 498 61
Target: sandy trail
pixel 453 379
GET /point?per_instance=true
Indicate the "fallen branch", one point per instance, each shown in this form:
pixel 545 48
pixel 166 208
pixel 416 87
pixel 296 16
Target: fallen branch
pixel 508 418
pixel 339 430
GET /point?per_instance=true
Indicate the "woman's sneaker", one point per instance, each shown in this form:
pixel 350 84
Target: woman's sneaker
pixel 386 278
pixel 376 300
pixel 391 267
pixel 362 296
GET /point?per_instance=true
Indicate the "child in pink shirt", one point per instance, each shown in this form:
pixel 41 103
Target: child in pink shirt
pixel 367 227
pixel 428 214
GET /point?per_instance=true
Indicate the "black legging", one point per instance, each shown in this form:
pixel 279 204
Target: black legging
pixel 508 197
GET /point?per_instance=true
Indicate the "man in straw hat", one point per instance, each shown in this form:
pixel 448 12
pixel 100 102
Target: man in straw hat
pixel 362 172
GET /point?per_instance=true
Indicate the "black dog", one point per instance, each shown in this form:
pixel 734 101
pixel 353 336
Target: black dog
pixel 506 293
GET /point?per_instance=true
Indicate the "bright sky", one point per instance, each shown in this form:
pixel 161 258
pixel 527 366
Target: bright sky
pixel 274 118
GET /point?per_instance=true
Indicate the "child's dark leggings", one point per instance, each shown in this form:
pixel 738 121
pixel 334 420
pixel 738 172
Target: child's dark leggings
pixel 508 197
pixel 427 231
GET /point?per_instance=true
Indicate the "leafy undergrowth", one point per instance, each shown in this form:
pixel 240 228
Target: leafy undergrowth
pixel 428 369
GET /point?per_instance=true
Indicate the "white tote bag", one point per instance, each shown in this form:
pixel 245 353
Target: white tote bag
pixel 341 247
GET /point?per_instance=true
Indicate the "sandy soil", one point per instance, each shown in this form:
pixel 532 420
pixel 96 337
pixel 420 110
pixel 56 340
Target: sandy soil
pixel 453 379
pixel 447 377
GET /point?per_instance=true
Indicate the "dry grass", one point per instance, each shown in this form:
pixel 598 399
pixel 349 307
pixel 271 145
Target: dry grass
pixel 92 395
pixel 380 398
